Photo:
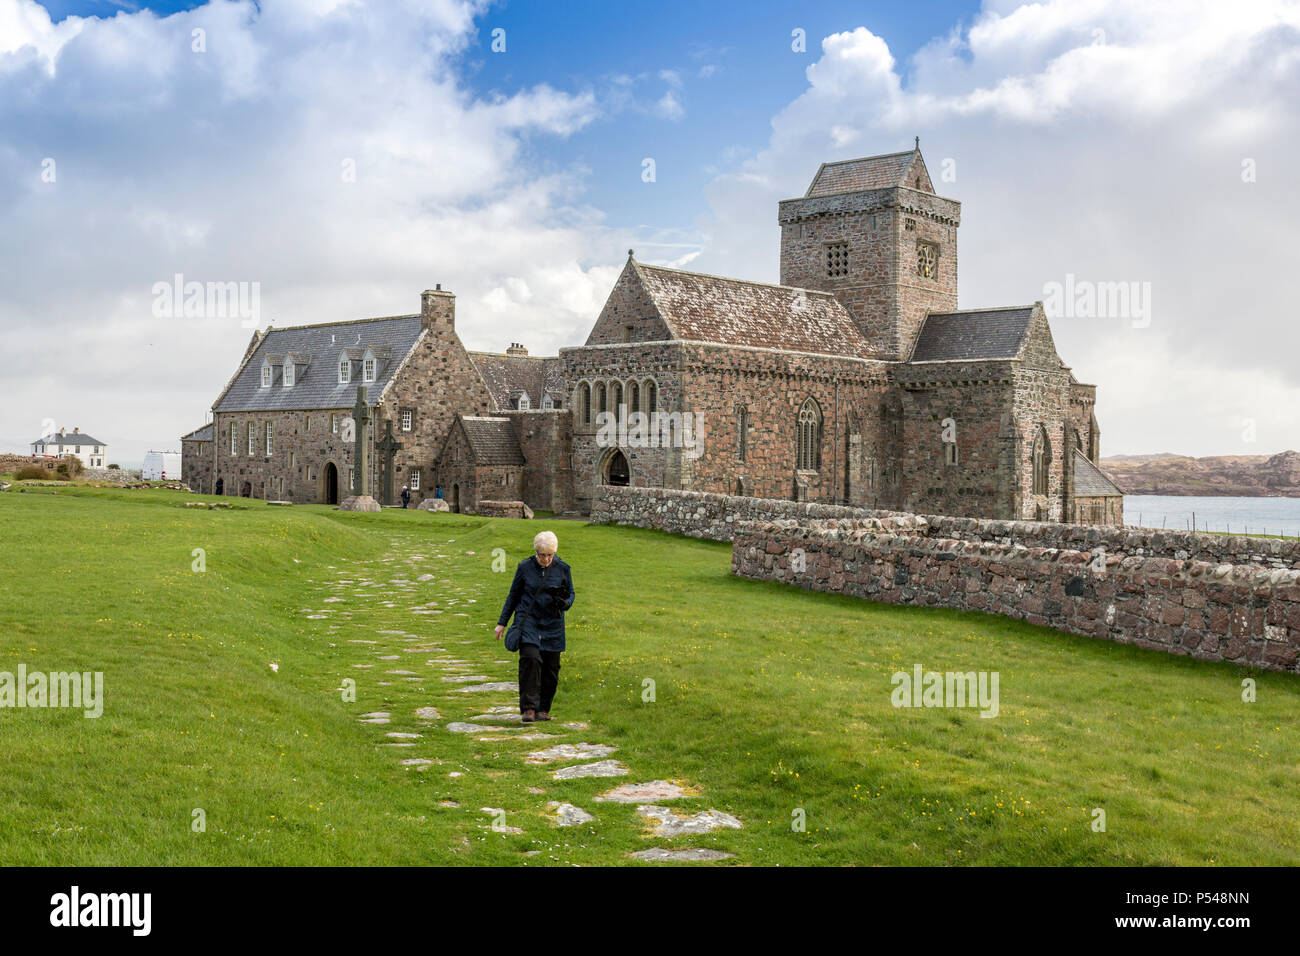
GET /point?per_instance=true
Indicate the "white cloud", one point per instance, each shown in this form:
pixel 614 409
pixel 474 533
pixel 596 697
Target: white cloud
pixel 1099 138
pixel 236 164
pixel 26 29
pixel 669 107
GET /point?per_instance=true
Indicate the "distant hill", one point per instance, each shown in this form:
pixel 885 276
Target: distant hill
pixel 1141 459
pixel 1250 476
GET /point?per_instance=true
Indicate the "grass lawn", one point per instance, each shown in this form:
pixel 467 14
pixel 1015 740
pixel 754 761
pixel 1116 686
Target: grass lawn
pixel 773 702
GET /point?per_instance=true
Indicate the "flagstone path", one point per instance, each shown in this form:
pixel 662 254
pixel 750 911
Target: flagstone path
pixel 352 598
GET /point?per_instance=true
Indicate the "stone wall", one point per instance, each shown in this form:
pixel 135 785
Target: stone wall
pixel 196 465
pixel 10 464
pixel 703 515
pixel 503 509
pixel 1239 613
pixel 546 441
pixel 1124 542
pixel 303 445
pixel 698 514
pixel 597 366
pixel 772 387
pixel 979 398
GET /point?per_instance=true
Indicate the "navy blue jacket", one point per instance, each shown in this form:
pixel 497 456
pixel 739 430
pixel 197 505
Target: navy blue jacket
pixel 538 599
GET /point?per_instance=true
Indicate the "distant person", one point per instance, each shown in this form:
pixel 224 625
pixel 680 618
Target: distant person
pixel 539 595
pixel 406 496
pixel 437 492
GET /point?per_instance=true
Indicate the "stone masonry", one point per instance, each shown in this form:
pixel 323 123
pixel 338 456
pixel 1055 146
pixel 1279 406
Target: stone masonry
pixel 1240 613
pixel 856 382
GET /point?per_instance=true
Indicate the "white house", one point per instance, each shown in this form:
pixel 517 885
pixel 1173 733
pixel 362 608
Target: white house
pixel 92 452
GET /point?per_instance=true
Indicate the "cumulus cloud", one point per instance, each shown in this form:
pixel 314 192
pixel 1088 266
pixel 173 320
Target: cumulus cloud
pixel 670 107
pixel 325 150
pixel 1101 139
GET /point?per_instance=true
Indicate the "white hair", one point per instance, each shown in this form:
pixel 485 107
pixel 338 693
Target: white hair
pixel 546 539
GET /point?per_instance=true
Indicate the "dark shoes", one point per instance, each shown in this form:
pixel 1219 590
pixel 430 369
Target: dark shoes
pixel 530 716
pixel 543 715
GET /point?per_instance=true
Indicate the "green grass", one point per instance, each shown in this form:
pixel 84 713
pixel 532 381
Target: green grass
pixel 768 698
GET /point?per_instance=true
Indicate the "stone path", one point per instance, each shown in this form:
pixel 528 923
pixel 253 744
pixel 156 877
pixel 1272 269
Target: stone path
pixel 410 577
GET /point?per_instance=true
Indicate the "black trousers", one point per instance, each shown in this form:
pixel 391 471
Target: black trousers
pixel 539 675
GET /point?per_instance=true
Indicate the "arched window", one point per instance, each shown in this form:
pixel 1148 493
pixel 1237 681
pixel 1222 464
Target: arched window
pixel 742 431
pixel 584 402
pixel 809 454
pixel 651 397
pixel 601 405
pixel 1042 461
pixel 634 397
pixel 616 397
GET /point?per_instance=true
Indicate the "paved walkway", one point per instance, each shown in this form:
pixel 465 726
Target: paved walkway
pixel 467 688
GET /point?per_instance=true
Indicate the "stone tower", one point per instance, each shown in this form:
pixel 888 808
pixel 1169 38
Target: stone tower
pixel 873 232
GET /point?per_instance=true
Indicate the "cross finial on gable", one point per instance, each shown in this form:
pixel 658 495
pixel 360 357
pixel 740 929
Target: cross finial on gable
pixel 629 253
pixel 918 142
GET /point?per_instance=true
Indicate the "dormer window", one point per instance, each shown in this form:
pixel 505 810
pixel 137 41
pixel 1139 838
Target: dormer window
pixel 548 402
pixel 345 371
pixel 525 402
pixel 266 374
pixel 288 374
pixel 368 368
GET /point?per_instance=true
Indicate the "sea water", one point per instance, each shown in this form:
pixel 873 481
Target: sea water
pixel 1237 515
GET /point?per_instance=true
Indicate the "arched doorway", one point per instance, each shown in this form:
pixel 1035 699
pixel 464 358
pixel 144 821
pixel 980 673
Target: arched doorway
pixel 455 498
pixel 616 470
pixel 247 490
pixel 330 484
pixel 221 487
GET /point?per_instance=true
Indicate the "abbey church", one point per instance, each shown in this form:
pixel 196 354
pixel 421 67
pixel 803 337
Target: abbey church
pixel 855 381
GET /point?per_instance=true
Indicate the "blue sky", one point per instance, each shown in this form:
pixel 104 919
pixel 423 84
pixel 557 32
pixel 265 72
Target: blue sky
pixel 730 70
pixel 342 155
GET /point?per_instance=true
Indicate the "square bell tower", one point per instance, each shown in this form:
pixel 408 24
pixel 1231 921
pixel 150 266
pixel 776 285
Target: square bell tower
pixel 873 232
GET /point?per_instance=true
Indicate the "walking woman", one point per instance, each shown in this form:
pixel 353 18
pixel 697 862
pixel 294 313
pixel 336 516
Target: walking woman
pixel 540 594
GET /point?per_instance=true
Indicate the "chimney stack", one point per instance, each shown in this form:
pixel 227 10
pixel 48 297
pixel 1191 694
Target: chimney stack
pixel 438 309
pixel 516 349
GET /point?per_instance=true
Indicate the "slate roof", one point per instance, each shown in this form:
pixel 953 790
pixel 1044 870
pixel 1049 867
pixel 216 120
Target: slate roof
pixel 708 308
pixel 492 440
pixel 508 375
pixel 972 336
pixel 199 434
pixel 317 384
pixel 1089 481
pixel 855 175
pixel 75 439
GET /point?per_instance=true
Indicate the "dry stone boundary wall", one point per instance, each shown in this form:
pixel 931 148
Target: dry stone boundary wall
pixel 703 515
pixel 700 514
pixel 1218 598
pixel 1241 613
